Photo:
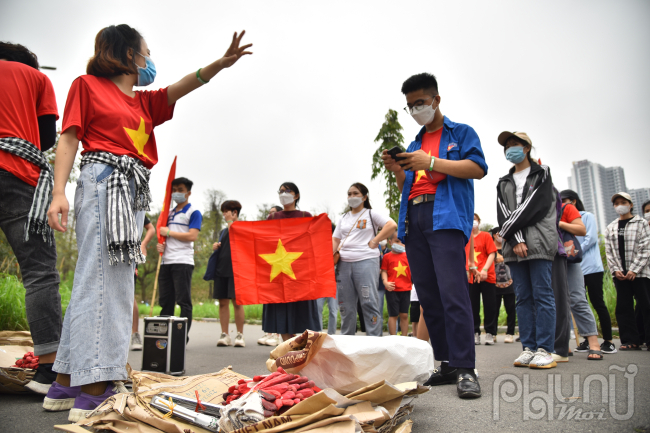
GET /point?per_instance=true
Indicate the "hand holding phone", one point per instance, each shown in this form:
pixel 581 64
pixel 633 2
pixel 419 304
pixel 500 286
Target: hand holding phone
pixel 394 151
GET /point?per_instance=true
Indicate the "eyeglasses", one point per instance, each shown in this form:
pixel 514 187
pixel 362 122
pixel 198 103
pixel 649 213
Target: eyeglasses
pixel 284 190
pixel 419 106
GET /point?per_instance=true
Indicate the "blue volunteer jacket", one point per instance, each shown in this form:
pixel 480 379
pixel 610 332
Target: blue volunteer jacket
pixel 453 207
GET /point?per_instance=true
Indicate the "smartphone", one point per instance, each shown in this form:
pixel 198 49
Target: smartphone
pixel 394 151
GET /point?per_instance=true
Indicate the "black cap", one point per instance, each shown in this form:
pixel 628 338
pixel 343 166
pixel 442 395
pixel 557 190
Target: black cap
pixel 495 230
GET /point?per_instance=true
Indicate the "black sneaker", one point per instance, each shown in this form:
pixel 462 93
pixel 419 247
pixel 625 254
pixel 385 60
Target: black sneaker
pixel 443 375
pixel 584 347
pixel 42 380
pixel 608 347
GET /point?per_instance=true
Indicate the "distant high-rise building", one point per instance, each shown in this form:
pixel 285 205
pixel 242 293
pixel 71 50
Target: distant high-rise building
pixel 596 185
pixel 639 196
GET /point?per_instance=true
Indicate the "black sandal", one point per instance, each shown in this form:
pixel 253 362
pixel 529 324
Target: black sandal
pixel 629 347
pixel 595 352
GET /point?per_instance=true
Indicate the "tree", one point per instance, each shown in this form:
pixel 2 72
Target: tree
pixel 389 136
pixel 486 227
pixel 147 271
pixel 263 211
pixel 211 226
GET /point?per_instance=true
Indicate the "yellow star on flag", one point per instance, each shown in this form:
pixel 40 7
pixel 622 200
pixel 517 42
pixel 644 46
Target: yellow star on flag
pixel 401 269
pixel 421 173
pixel 139 138
pixel 280 261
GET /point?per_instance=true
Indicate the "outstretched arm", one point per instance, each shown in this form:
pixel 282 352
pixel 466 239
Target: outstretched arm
pixel 190 82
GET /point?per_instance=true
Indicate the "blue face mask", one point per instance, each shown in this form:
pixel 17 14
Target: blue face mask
pixel 398 249
pixel 147 74
pixel 515 154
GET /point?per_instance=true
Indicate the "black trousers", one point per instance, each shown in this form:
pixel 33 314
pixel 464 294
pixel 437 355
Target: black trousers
pixel 175 283
pixel 37 260
pixel 510 303
pixel 490 312
pixel 626 293
pixel 562 306
pixel 594 285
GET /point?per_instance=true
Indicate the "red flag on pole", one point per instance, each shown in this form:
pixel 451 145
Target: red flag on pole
pixel 284 260
pixel 164 213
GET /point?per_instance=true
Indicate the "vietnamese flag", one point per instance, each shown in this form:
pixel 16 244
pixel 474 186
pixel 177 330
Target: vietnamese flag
pixel 283 260
pixel 164 213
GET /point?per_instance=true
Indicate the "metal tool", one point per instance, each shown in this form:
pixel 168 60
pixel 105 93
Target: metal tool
pixel 205 421
pixel 189 403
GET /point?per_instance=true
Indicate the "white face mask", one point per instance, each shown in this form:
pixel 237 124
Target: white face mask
pixel 178 197
pixel 475 224
pixel 646 216
pixel 382 244
pixel 499 239
pixel 622 209
pixel 423 114
pixel 355 202
pixel 286 198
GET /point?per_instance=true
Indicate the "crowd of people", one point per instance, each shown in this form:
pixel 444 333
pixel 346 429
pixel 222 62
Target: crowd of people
pixel 434 262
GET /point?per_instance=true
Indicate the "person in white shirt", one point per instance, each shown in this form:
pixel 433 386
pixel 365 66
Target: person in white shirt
pixel 183 226
pixel 357 241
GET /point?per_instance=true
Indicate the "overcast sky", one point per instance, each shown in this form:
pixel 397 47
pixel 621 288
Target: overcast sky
pixel 307 105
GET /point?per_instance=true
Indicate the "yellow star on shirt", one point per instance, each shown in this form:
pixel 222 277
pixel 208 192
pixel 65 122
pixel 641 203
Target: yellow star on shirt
pixel 476 254
pixel 421 173
pixel 139 138
pixel 401 269
pixel 280 261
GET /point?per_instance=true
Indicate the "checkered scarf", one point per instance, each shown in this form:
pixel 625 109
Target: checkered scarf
pixel 121 229
pixel 37 217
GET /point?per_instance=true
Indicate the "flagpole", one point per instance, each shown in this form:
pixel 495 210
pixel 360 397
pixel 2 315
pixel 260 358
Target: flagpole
pixel 162 222
pixel 155 285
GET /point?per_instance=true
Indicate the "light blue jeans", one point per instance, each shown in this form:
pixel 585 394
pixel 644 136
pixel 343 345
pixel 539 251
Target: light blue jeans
pixel 358 281
pixel 97 325
pixel 582 314
pixel 333 306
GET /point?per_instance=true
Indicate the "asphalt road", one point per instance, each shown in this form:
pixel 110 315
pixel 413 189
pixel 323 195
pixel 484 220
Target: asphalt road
pixel 514 399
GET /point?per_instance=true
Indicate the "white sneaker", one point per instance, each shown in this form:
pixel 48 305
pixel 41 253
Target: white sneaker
pixel 224 340
pixel 490 339
pixel 542 359
pixel 524 359
pixel 508 338
pixel 477 339
pixel 136 341
pixel 273 340
pixel 262 341
pixel 558 358
pixel 239 340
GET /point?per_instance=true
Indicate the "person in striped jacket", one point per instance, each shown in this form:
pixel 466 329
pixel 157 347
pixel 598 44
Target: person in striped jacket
pixel 627 246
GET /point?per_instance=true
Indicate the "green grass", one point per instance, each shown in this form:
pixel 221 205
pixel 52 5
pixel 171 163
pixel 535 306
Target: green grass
pixel 12 305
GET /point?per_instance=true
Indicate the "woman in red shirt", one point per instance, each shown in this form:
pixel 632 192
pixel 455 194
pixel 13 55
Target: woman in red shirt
pixel 115 126
pixel 484 253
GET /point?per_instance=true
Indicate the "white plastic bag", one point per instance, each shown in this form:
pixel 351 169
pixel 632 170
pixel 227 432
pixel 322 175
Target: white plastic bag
pixel 348 362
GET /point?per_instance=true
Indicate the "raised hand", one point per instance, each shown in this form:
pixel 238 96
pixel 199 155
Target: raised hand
pixel 235 52
pixel 390 163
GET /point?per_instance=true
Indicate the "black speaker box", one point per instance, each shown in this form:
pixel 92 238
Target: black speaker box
pixel 164 344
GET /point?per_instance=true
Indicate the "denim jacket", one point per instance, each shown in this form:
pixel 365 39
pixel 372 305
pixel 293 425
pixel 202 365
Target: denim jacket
pixel 591 260
pixel 453 207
